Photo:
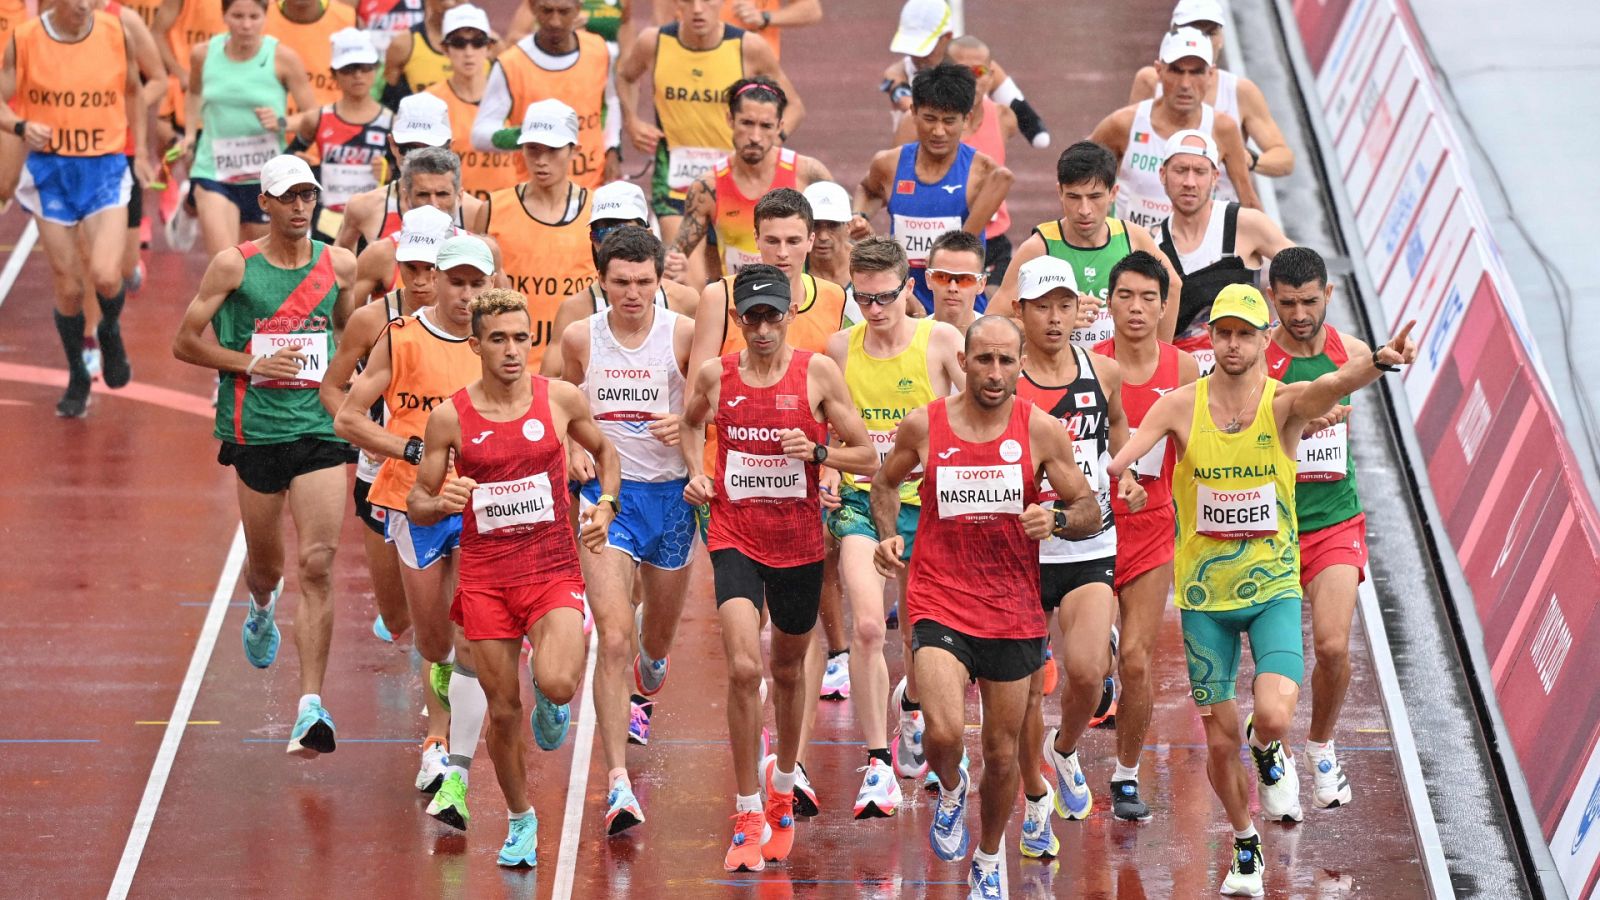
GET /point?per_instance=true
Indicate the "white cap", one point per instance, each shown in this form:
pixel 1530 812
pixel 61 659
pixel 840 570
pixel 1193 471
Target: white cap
pixel 1043 274
pixel 351 47
pixel 1176 145
pixel 549 122
pixel 621 201
pixel 829 202
pixel 422 119
pixel 422 231
pixel 1181 43
pixel 1196 11
pixel 466 16
pixel 465 250
pixel 921 24
pixel 284 172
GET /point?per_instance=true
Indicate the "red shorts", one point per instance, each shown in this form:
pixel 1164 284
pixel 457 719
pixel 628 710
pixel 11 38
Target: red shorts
pixel 1146 540
pixel 1344 544
pixel 509 611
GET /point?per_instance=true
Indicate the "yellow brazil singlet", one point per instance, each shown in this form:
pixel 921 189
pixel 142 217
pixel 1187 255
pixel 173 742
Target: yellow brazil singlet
pixel 1238 544
pixel 691 90
pixel 886 390
pixel 546 261
pixel 311 40
pixel 427 364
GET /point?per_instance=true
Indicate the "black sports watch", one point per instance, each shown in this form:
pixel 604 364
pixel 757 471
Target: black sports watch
pixel 413 452
pixel 819 453
pixel 20 127
pixel 1060 526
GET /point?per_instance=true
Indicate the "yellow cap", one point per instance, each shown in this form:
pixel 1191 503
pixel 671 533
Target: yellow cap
pixel 1241 301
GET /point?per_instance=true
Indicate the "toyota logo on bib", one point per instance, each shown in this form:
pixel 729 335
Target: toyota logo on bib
pixel 1010 450
pixel 533 430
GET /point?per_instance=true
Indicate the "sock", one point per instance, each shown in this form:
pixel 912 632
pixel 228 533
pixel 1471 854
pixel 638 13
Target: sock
pixel 950 794
pixel 309 700
pixel 752 803
pixel 70 330
pixel 514 816
pixel 988 860
pixel 115 371
pixel 1063 757
pixel 835 654
pixel 882 753
pixel 255 602
pixel 1319 748
pixel 907 704
pixel 1123 773
pixel 1032 798
pixel 1246 834
pixel 468 706
pixel 110 313
pixel 1257 742
pixel 782 782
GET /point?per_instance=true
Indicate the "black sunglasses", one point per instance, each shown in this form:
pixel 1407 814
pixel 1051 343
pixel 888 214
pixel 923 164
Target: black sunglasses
pixel 461 43
pixel 882 298
pixel 309 195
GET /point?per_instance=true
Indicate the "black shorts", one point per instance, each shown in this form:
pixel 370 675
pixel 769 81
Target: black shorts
pixel 791 594
pixel 1057 580
pixel 245 197
pixel 135 199
pixel 369 515
pixel 989 659
pixel 268 468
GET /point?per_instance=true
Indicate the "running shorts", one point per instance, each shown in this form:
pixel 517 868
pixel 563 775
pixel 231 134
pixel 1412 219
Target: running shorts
pixel 792 594
pixel 420 546
pixel 986 659
pixel 654 526
pixel 1211 641
pixel 662 203
pixel 854 516
pixel 247 197
pixel 509 611
pixel 269 468
pixel 1146 540
pixel 1342 544
pixel 1057 580
pixel 135 198
pixel 68 189
pixel 369 515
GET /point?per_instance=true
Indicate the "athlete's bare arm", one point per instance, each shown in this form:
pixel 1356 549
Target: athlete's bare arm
pixel 1052 454
pixel 872 194
pixel 705 389
pixel 987 186
pixel 1144 85
pixel 699 209
pixel 1297 404
pixel 166 17
pixel 573 309
pixel 1112 132
pixel 135 106
pixel 809 170
pixel 1170 416
pixel 830 402
pixel 151 67
pixel 194 98
pixel 909 450
pixel 682 299
pixel 759 59
pixel 1140 239
pixel 710 326
pixel 573 418
pixel 194 344
pixel 1188 369
pixel 1235 158
pixel 360 333
pixel 352 421
pixel 1004 301
pixel 432 498
pixel 359 212
pixel 374 267
pixel 630 68
pixel 1260 238
pixel 1276 159
pixel 292 72
pixel 1109 373
pixel 943 344
pixel 838 348
pixel 574 355
pixel 344 274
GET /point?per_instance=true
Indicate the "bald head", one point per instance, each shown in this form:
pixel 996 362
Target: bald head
pixel 992 360
pixel 1003 328
pixel 970 43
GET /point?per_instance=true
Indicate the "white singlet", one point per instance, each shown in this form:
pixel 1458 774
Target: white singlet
pixel 1141 198
pixel 628 388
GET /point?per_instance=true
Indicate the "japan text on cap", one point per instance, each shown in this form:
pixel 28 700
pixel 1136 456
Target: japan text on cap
pixel 829 202
pixel 1182 43
pixel 284 172
pixel 423 231
pixel 465 16
pixel 1241 301
pixel 549 122
pixel 751 290
pixel 351 47
pixel 621 201
pixel 422 119
pixel 1188 11
pixel 1043 274
pixel 465 250
pixel 921 24
pixel 1196 143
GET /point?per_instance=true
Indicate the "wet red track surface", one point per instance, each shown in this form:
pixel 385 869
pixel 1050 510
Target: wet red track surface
pixel 116 529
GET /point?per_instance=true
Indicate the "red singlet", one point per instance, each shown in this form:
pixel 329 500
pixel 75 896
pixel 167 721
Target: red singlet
pixel 1136 401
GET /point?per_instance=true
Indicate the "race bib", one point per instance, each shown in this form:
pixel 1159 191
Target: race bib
pixel 1152 464
pixel 239 159
pixel 917 233
pixel 1323 456
pixel 1237 514
pixel 979 492
pixel 511 506
pixel 1143 211
pixel 746 476
pixel 734 259
pixel 1206 358
pixel 313 344
pixel 341 181
pixel 629 395
pixel 1100 330
pixel 685 164
pixel 882 443
pixel 1087 454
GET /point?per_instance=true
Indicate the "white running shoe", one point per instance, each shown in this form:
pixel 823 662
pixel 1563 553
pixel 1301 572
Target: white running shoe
pixel 1074 799
pixel 1279 784
pixel 836 678
pixel 434 766
pixel 1038 841
pixel 1329 786
pixel 879 796
pixel 909 761
pixel 1244 873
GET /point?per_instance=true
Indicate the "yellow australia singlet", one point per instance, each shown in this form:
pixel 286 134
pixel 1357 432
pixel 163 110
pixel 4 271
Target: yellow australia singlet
pixel 426 66
pixel 1238 544
pixel 691 90
pixel 886 390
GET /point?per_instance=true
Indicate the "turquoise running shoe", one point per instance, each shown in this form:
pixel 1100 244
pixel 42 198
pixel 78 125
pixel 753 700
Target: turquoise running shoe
pixel 449 803
pixel 522 842
pixel 549 721
pixel 381 631
pixel 313 733
pixel 260 634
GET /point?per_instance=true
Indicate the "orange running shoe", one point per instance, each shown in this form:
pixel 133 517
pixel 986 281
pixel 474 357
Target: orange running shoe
pixel 779 839
pixel 1051 674
pixel 744 854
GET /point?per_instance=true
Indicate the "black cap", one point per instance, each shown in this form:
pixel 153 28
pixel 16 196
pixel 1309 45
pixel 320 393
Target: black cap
pixel 760 285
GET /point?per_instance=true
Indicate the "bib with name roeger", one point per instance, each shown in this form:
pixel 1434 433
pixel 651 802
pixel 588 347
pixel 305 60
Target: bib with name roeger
pixel 1235 514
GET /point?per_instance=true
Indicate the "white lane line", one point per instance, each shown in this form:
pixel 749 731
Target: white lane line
pixel 179 719
pixel 578 783
pixel 19 255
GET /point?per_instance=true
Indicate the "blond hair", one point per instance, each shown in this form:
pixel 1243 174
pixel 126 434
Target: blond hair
pixel 879 253
pixel 494 302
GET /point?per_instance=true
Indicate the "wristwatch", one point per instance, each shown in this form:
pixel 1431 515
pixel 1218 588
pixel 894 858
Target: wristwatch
pixel 611 502
pixel 1376 364
pixel 1060 526
pixel 819 453
pixel 20 127
pixel 766 21
pixel 413 452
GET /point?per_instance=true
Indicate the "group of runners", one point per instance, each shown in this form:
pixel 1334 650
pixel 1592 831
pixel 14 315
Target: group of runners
pixel 425 261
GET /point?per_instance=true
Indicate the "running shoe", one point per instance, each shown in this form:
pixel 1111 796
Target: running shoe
pixel 439 680
pixel 522 842
pixel 260 634
pixel 1038 841
pixel 1125 802
pixel 778 838
pixel 1074 800
pixel 906 751
pixel 432 771
pixel 1105 714
pixel 639 720
pixel 985 882
pixel 312 734
pixel 1279 783
pixel 930 781
pixel 550 721
pixel 1329 786
pixel 891 619
pixel 92 360
pixel 449 803
pixel 74 402
pixel 744 852
pixel 182 228
pixel 622 809
pixel 948 833
pixel 648 674
pixel 836 678
pixel 879 796
pixel 381 631
pixel 1244 874
pixel 805 796
pixel 1052 675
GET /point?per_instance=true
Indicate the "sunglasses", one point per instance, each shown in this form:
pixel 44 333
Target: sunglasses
pixel 600 233
pixel 882 298
pixel 979 71
pixel 357 69
pixel 461 43
pixel 309 195
pixel 963 280
pixel 762 314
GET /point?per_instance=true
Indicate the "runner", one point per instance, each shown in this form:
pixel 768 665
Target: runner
pixel 1210 243
pixel 1232 94
pixel 617 206
pixel 612 20
pixel 768 18
pixel 417 363
pixel 351 135
pixel 974 574
pixel 421 121
pixel 1137 134
pixel 520 577
pixel 562 62
pixel 1151 368
pixel 542 223
pixel 238 103
pixel 307 27
pixel 1333 529
pixel 178 26
pixel 414 63
pixel 935 183
pixel 274 304
pixel 467 39
pixel 629 358
pixel 892 364
pixel 829 258
pixel 1084 392
pixel 1238 556
pixel 722 201
pixel 766 548
pixel 386 20
pixel 956 275
pixel 75 181
pixel 691 61
pixel 1088 236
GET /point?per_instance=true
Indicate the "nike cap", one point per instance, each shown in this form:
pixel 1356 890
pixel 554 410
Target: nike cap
pixel 760 288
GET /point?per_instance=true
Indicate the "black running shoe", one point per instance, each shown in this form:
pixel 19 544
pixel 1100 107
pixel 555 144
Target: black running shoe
pixel 1125 802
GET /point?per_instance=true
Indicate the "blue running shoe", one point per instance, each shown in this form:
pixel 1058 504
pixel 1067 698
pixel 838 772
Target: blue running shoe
pixel 381 631
pixel 984 883
pixel 622 809
pixel 1074 800
pixel 522 842
pixel 549 721
pixel 948 833
pixel 312 734
pixel 1038 841
pixel 260 635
